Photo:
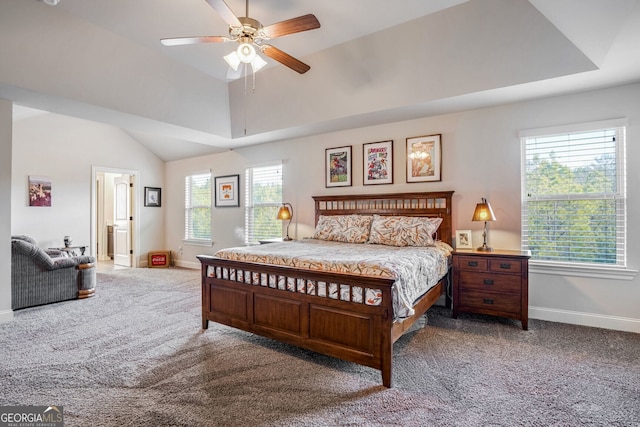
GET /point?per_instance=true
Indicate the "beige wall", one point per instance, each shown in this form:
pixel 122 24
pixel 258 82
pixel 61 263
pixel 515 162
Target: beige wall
pixel 481 158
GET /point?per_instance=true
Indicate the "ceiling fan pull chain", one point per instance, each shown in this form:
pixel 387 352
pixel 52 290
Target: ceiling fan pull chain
pixel 245 98
pixel 253 75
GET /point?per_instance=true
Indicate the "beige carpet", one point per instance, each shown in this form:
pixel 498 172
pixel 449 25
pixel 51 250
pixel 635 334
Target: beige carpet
pixel 134 355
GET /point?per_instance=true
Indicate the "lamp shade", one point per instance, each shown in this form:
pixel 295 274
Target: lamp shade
pixel 233 60
pixel 284 213
pixel 483 212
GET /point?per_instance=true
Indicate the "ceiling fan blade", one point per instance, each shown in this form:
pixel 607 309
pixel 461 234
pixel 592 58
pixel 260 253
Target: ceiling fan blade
pixel 290 26
pixel 285 59
pixel 225 13
pixel 177 41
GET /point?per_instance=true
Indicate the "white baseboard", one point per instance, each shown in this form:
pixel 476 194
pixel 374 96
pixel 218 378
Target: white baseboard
pixel 6 316
pixel 188 264
pixel 625 324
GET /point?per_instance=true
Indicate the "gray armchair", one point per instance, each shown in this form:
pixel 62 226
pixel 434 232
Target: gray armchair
pixel 42 277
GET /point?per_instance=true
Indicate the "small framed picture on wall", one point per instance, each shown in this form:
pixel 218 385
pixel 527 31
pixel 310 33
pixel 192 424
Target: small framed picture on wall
pixel 153 197
pixel 337 163
pixel 377 160
pixel 227 191
pixel 424 158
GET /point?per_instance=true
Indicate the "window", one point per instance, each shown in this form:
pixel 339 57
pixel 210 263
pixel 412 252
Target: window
pixel 264 198
pixel 573 195
pixel 197 208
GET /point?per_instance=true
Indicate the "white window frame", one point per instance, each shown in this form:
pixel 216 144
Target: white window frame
pixel 249 237
pixel 188 206
pixel 618 271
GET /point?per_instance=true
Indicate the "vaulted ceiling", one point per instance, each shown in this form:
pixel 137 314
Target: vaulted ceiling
pixel 372 61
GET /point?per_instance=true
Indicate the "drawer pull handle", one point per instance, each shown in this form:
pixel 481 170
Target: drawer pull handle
pixel 473 263
pixel 505 266
pixel 487 301
pixel 488 281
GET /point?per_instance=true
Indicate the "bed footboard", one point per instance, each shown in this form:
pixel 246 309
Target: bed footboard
pixel 320 311
pixel 251 297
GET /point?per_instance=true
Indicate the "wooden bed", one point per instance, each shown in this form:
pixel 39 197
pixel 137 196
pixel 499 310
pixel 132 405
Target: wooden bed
pixel 351 331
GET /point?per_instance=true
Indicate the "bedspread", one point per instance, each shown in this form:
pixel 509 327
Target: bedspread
pixel 415 269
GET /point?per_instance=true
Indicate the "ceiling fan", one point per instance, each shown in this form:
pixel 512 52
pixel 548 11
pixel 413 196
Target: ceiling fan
pixel 250 34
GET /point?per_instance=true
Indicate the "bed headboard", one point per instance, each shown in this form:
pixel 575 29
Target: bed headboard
pixel 432 204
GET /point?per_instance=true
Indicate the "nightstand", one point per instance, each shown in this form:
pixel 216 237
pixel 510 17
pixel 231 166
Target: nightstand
pixel 494 283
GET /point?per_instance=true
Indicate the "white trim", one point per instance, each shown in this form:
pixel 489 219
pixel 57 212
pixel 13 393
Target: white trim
pixel 188 264
pixel 598 272
pixel 207 243
pixel 6 316
pixel 575 127
pixel 135 209
pixel 617 323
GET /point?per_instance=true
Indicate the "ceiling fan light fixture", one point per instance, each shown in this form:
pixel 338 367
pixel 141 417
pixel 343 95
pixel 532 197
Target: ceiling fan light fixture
pixel 246 52
pixel 233 60
pixel 258 63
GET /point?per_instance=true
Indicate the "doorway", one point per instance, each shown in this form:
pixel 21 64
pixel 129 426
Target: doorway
pixel 114 213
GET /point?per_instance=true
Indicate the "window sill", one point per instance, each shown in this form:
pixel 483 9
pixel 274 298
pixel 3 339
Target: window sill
pixel 207 243
pixel 616 273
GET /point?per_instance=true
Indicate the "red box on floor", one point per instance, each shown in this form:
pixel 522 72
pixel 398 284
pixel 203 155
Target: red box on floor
pixel 159 259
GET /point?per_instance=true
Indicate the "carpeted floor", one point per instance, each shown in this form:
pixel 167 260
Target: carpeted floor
pixel 134 355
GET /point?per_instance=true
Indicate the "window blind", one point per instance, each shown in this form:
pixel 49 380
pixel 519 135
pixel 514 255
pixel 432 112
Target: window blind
pixel 574 199
pixel 197 202
pixel 263 199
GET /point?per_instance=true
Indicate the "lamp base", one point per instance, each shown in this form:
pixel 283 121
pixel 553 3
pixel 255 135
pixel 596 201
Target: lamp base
pixel 286 239
pixel 484 248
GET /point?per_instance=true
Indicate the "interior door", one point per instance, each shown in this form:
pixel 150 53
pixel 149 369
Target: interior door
pixel 122 222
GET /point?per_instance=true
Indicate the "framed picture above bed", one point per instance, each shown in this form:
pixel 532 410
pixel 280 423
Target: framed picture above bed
pixel 227 191
pixel 338 167
pixel 378 162
pixel 424 158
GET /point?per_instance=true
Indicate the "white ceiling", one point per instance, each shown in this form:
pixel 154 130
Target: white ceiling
pixel 606 32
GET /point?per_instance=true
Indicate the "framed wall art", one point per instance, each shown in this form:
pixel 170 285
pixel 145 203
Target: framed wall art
pixel 152 196
pixel 338 167
pixel 424 158
pixel 463 239
pixel 39 191
pixel 378 162
pixel 227 191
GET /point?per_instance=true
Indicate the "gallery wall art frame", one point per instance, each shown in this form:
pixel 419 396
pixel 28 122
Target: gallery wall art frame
pixel 39 191
pixel 338 167
pixel 463 239
pixel 424 158
pixel 377 162
pixel 227 190
pixel 153 197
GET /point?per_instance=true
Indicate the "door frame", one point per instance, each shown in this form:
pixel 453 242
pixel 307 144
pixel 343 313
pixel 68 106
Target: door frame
pixel 135 209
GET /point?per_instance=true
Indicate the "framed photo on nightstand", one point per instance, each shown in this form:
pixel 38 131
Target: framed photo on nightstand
pixel 463 239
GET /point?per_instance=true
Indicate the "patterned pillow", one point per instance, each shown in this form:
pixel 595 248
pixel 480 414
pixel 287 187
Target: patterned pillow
pixel 403 230
pixel 343 228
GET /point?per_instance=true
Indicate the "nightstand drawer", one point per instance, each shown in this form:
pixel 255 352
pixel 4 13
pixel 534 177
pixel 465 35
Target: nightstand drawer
pixel 505 265
pixel 491 302
pixel 473 263
pixel 489 282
